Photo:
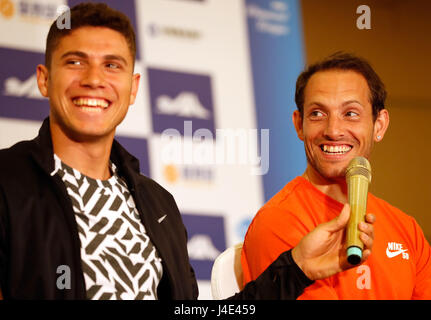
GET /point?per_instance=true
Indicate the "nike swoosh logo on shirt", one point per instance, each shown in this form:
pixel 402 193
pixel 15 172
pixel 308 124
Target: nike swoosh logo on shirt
pixel 392 254
pixel 162 218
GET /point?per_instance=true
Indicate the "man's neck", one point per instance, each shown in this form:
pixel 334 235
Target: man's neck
pixel 334 188
pixel 90 158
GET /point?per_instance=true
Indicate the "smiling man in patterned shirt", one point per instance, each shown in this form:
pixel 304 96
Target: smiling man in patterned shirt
pixel 89 79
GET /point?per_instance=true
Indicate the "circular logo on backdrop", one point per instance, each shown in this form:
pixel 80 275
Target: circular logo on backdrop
pixel 7 8
pixel 171 173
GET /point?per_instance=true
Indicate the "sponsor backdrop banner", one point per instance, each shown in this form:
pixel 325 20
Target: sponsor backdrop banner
pixel 212 119
pixel 277 58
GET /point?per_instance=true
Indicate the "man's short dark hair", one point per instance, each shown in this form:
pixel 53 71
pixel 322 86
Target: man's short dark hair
pixel 346 62
pixel 93 15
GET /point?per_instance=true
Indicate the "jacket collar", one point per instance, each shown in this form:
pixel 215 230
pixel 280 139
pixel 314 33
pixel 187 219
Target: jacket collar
pixel 43 154
pixel 42 151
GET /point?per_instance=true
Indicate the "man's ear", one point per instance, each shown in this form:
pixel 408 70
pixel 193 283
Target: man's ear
pixel 381 125
pixel 298 123
pixel 42 74
pixel 135 87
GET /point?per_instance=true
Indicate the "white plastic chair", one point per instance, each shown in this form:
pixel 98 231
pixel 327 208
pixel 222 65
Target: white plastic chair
pixel 226 275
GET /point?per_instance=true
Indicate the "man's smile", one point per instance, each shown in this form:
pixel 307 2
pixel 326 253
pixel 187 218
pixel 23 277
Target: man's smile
pixel 91 104
pixel 331 149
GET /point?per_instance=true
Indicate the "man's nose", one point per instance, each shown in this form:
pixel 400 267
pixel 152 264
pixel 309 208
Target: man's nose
pixel 334 128
pixel 93 78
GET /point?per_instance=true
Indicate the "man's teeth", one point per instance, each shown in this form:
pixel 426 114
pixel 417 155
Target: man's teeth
pixel 91 109
pixel 91 102
pixel 336 149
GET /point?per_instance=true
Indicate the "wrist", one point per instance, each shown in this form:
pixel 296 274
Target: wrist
pixel 299 260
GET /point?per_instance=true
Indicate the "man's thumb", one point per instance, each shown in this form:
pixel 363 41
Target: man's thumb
pixel 341 221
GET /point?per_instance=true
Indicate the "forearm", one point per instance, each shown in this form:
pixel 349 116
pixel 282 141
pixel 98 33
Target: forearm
pixel 282 280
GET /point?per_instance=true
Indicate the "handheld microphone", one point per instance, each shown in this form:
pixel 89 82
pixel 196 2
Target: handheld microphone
pixel 358 178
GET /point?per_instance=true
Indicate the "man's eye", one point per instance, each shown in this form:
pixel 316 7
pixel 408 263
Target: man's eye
pixel 112 66
pixel 352 114
pixel 74 62
pixel 316 113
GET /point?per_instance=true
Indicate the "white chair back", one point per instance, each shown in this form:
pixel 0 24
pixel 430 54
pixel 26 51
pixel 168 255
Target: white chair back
pixel 226 275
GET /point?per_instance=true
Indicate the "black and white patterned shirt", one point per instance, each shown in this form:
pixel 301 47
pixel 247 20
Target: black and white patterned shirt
pixel 119 261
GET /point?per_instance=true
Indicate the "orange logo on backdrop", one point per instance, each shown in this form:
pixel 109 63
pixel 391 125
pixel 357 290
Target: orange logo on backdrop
pixel 7 8
pixel 171 173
